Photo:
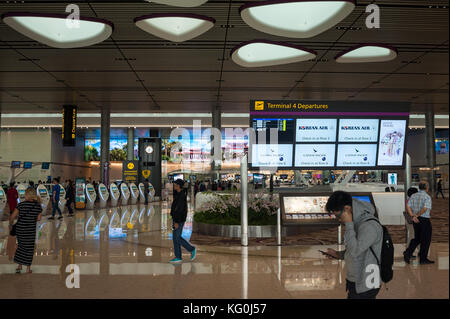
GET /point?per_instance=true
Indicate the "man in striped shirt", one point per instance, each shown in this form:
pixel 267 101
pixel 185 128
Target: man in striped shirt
pixel 419 205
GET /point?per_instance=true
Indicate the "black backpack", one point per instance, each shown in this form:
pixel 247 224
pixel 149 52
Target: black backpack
pixel 387 255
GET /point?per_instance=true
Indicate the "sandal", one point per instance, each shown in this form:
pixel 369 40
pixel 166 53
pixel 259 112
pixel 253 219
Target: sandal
pixel 18 270
pixel 29 271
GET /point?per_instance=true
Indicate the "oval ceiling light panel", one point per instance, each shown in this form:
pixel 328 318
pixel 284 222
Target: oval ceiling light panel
pixel 367 53
pixel 175 27
pixel 259 53
pixel 295 19
pixel 180 3
pixel 56 30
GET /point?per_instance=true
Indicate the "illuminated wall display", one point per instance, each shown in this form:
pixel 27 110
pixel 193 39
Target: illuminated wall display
pixel 329 134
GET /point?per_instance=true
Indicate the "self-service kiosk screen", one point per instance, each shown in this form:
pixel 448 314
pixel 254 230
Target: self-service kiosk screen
pixel 42 192
pixel 134 188
pixel 21 192
pixel 27 164
pixel 363 198
pixel 15 164
pixel 91 190
pixel 2 193
pixel 103 189
pixel 178 176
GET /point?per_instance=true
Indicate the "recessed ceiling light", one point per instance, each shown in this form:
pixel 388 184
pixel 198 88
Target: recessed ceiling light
pixel 180 3
pixel 175 27
pixel 259 53
pixel 295 19
pixel 52 30
pixel 367 53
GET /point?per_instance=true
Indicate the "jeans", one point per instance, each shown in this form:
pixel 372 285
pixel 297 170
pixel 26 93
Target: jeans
pixel 422 237
pixel 179 241
pixel 352 294
pixel 439 191
pixel 55 208
pixel 146 197
pixel 69 206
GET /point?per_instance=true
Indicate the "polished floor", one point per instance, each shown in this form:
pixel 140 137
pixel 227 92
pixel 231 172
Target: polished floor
pixel 123 253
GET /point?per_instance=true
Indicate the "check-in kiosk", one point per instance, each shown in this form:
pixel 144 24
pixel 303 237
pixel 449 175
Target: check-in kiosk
pixel 134 193
pixel 42 192
pixel 21 188
pixel 125 191
pixel 115 194
pixel 141 193
pixel 103 194
pixel 151 191
pixel 2 199
pixel 62 198
pixel 90 196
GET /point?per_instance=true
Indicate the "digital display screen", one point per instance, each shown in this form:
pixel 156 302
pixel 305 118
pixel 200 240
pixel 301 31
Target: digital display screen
pixel 193 177
pixel 305 204
pixel 358 130
pixel 258 178
pixel 316 130
pixel 356 155
pixel 315 155
pixel 285 129
pixel 392 142
pixel 392 178
pixel 363 198
pixel 27 164
pixel 15 164
pixel 21 191
pixel 45 165
pixel 272 155
pixel 2 193
pixel 442 146
pixel 237 177
pixel 223 176
pixel 283 176
pixel 178 176
pixel 43 192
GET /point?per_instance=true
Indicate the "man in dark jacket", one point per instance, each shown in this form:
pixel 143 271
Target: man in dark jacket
pixel 178 212
pixel 70 197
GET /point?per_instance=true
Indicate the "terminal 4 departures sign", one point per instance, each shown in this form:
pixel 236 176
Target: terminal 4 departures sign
pixel 329 134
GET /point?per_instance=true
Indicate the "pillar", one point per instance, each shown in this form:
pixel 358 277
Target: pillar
pixel 104 145
pixel 130 144
pixel 217 123
pixel 430 145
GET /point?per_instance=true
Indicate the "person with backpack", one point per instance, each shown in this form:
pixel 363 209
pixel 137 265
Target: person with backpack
pixel 363 240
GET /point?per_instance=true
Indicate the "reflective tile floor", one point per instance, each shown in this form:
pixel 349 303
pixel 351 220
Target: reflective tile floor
pixel 123 253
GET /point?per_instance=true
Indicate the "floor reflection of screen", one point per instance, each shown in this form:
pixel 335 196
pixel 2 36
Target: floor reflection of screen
pixel 116 233
pixel 305 204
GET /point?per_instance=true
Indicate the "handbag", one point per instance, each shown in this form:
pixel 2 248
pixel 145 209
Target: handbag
pixel 13 230
pixel 11 245
pixel 408 218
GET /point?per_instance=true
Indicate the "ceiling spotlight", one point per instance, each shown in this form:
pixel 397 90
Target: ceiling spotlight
pixel 56 30
pixel 259 53
pixel 367 53
pixel 149 149
pixel 175 27
pixel 180 3
pixel 295 19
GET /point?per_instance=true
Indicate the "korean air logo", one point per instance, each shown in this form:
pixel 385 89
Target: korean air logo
pixel 355 128
pixel 311 128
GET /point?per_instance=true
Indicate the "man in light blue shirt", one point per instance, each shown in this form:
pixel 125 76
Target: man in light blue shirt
pixel 419 207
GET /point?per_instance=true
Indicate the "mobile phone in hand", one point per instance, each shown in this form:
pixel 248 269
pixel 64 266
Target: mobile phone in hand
pixel 327 254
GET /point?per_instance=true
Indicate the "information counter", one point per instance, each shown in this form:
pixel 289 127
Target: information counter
pixel 134 193
pixel 309 208
pixel 103 194
pixel 125 191
pixel 3 199
pixel 91 196
pixel 115 194
pixel 42 192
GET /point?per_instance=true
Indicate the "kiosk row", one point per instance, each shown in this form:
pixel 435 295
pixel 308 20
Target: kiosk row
pixel 124 194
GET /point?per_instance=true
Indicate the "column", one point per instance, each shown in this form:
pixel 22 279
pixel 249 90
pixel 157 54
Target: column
pixel 130 144
pixel 430 145
pixel 217 123
pixel 104 145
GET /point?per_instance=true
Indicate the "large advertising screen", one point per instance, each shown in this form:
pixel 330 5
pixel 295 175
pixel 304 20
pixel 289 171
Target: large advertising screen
pixel 329 134
pixel 392 142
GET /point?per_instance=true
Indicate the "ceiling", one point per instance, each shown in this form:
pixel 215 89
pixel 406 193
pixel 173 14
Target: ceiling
pixel 134 71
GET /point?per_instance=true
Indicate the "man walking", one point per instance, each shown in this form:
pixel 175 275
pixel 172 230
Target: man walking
pixel 178 212
pixel 55 199
pixel 420 205
pixel 439 189
pixel 146 190
pixel 70 197
pixel 363 242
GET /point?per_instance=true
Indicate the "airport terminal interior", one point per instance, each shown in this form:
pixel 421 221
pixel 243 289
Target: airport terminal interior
pixel 257 110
